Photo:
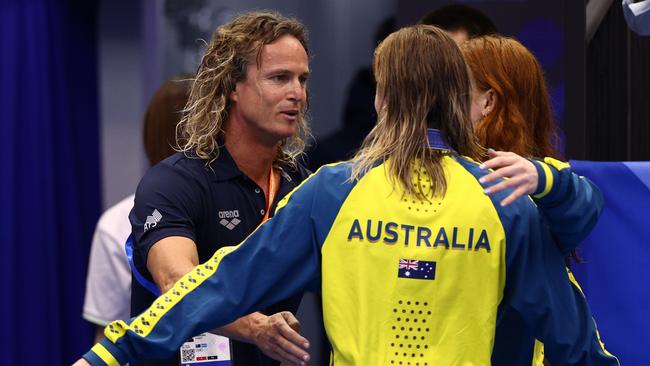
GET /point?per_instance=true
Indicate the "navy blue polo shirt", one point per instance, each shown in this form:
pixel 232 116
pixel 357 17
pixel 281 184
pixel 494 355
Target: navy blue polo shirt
pixel 215 206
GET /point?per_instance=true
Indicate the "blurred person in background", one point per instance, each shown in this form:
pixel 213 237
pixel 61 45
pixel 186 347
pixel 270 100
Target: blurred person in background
pixel 108 283
pixel 462 22
pixel 359 114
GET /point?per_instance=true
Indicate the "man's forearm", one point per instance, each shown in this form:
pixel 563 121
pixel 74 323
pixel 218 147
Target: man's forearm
pixel 242 329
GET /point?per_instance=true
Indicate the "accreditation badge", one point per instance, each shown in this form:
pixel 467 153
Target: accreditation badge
pixel 206 349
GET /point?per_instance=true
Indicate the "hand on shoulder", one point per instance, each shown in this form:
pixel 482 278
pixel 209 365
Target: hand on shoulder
pixel 520 172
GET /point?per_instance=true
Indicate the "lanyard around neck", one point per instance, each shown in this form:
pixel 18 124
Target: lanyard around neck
pixel 437 141
pixel 273 186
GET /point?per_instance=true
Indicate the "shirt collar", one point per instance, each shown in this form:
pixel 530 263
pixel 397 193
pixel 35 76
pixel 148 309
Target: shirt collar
pixel 436 140
pixel 224 167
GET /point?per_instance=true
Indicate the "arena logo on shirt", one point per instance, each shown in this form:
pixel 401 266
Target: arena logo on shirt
pixel 229 219
pixel 391 233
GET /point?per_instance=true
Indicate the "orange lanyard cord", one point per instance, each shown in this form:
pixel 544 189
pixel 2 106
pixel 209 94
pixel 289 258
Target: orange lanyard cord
pixel 273 183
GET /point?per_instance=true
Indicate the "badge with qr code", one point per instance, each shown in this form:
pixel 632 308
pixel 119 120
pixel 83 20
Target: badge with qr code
pixel 206 349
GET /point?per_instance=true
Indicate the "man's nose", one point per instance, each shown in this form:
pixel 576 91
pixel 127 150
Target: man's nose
pixel 298 91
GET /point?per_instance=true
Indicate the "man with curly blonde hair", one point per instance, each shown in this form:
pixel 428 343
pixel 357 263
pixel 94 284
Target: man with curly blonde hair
pixel 242 130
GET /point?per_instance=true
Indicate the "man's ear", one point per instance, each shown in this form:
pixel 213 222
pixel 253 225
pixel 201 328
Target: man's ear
pixel 234 96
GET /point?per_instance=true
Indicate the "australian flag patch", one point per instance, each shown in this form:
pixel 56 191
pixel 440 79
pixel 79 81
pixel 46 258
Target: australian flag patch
pixel 415 269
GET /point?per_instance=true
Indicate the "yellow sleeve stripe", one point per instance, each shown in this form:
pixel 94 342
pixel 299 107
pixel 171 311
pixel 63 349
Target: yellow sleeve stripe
pixel 115 330
pixel 549 181
pixel 574 281
pixel 182 287
pixel 103 353
pixel 602 344
pixel 145 322
pixel 283 202
pixel 538 354
pixel 557 164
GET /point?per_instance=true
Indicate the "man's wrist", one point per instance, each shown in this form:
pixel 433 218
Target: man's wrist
pixel 244 329
pixel 254 322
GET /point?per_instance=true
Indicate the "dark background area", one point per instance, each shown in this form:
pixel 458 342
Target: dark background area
pixel 617 85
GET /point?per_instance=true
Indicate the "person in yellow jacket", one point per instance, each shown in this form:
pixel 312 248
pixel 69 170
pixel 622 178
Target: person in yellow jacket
pixel 415 263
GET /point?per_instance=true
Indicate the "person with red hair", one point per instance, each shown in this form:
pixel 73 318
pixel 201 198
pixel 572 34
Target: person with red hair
pixel 512 117
pixel 512 112
pixel 511 104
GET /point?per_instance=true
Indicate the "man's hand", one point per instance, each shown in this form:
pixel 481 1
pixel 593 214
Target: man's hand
pixel 277 336
pixel 521 172
pixel 81 362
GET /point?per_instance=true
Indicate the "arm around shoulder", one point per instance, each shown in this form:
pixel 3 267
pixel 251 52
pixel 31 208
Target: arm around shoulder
pixel 571 204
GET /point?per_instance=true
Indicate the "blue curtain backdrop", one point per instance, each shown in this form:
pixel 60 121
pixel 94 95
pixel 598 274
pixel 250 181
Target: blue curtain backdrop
pixel 616 269
pixel 50 192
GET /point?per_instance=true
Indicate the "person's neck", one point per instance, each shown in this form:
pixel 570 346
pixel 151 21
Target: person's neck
pixel 252 156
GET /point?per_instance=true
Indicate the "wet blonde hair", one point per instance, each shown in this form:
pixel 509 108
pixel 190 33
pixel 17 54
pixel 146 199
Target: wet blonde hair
pixel 232 48
pixel 423 80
